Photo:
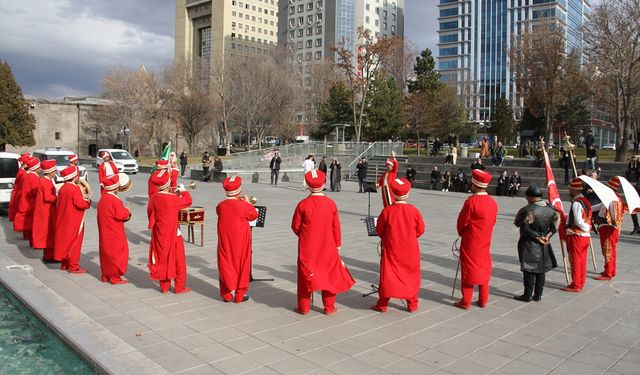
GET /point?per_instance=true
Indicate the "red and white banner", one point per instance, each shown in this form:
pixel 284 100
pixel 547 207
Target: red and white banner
pixel 554 196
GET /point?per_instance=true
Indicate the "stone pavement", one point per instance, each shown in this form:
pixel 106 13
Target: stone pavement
pixel 597 331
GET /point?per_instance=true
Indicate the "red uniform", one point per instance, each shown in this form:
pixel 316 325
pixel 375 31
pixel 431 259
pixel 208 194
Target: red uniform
pixel 44 217
pixel 114 247
pixel 317 225
pixel 383 183
pixel 175 173
pixel 69 226
pixel 399 227
pixel 475 226
pixel 15 194
pixel 234 246
pixel 166 252
pixel 578 240
pixel 609 231
pixel 106 169
pixel 23 220
pixel 152 190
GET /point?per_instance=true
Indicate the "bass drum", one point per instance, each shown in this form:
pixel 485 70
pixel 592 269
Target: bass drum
pixel 125 182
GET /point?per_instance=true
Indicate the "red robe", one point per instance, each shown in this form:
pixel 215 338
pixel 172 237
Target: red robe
pixel 317 225
pixel 26 202
pixel 114 247
pixel 15 194
pixel 103 173
pixel 399 227
pixel 387 176
pixel 475 226
pixel 69 225
pixel 164 236
pixel 175 173
pixel 44 217
pixel 234 243
pixel 152 190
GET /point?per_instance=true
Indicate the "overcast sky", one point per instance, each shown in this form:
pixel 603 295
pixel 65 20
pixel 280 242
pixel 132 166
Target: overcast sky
pixel 63 47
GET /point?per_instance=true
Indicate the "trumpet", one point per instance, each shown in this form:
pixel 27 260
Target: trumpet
pixel 191 186
pixel 253 200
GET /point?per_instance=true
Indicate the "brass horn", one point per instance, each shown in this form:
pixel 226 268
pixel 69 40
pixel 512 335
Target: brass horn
pixel 191 186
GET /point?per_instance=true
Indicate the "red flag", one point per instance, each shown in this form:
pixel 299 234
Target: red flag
pixel 554 196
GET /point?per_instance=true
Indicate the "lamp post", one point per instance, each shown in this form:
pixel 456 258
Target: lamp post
pixel 125 133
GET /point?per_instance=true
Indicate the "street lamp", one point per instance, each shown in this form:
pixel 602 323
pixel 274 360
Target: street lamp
pixel 125 132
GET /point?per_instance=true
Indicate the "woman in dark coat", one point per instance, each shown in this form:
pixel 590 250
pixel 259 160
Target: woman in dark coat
pixel 336 175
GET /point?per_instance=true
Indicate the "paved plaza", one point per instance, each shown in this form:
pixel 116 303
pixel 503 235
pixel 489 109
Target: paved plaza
pixel 594 332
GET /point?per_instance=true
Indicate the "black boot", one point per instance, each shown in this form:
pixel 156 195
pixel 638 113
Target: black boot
pixel 522 298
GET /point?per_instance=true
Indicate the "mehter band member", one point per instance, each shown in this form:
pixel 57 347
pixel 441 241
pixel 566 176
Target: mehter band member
pixel 17 185
pixel 389 175
pixel 29 187
pixel 475 227
pixel 166 251
pixel 399 226
pixel 106 169
pixel 316 223
pixel 152 189
pixel 578 235
pixel 538 221
pixel 114 247
pixel 44 215
pixel 234 241
pixel 70 222
pixel 610 220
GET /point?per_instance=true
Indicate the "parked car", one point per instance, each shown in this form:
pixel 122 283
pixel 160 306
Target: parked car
pixel 8 171
pixel 125 162
pixel 60 154
pixel 609 146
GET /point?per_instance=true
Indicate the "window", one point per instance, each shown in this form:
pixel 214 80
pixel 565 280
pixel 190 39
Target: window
pixel 310 6
pixel 234 13
pixel 319 42
pixel 310 19
pixel 58 136
pixel 300 8
pixel 448 25
pixel 300 33
pixel 448 12
pixel 318 29
pixel 299 45
pixel 448 38
pixel 292 22
pixel 393 29
pixel 318 55
pixel 366 19
pixel 308 43
pixel 292 34
pixel 320 17
pixel 368 7
pixel 309 31
pixel 452 64
pixel 307 56
pixel 448 51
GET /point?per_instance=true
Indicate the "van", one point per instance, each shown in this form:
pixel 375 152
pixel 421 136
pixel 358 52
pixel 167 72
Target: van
pixel 124 161
pixel 61 156
pixel 8 172
pixel 302 139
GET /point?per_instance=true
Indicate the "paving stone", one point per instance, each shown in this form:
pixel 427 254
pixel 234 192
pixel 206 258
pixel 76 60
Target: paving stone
pixel 268 354
pixel 293 365
pixel 179 361
pixel 236 365
pixel 351 366
pixel 408 366
pixel 434 358
pixel 574 367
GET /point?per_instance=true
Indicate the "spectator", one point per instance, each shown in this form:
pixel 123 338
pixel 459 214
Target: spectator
pixel 322 166
pixel 363 167
pixel 592 157
pixel 183 163
pixel 136 154
pixel 307 165
pixel 336 175
pixel 206 163
pixel 452 156
pixel 634 216
pixel 460 181
pixel 410 174
pixel 540 156
pixel 565 161
pixel 436 177
pixel 498 154
pixel 217 166
pixel 633 168
pixel 477 164
pixel 446 181
pixel 514 184
pixel 589 140
pixel 437 146
pixel 274 165
pixel 503 184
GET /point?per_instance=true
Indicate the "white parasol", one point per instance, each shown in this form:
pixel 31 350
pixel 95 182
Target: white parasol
pixel 630 194
pixel 604 193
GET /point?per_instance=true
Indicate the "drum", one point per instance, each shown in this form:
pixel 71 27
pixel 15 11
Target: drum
pixel 125 182
pixel 191 215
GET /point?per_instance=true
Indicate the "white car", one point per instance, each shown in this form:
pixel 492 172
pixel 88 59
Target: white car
pixel 125 162
pixel 8 171
pixel 60 155
pixel 609 146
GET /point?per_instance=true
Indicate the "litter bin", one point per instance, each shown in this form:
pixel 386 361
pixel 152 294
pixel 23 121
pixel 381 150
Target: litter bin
pixel 464 152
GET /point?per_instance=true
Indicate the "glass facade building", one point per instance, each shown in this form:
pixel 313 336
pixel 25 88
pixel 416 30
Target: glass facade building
pixel 474 40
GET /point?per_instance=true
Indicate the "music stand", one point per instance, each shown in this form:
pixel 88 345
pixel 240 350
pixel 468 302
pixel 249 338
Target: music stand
pixel 259 222
pixel 371 222
pixel 369 187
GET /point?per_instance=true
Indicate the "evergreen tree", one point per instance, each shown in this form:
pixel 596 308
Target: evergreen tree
pixel 384 110
pixel 530 122
pixel 502 122
pixel 336 110
pixel 574 113
pixel 427 77
pixel 16 123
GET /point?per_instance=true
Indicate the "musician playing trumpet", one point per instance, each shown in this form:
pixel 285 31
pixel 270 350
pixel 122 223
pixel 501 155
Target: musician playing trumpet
pixel 234 241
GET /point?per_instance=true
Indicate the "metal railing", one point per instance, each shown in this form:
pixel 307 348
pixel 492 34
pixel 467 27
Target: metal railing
pixel 375 149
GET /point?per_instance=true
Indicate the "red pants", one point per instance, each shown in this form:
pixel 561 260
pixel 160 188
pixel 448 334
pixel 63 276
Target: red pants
pixel 304 300
pixel 578 246
pixel 383 303
pixel 181 270
pixel 71 261
pixel 48 254
pixel 609 237
pixel 467 294
pixel 225 293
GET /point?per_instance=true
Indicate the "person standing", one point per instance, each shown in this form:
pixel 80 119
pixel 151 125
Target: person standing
pixel 70 222
pixel 17 186
pixel 538 221
pixel 175 172
pixel 44 214
pixel 436 177
pixel 23 221
pixel 565 161
pixel 234 241
pixel 319 263
pixel 336 175
pixel 363 168
pixel 307 165
pixel 152 189
pixel 322 166
pixel 592 157
pixel 399 226
pixel 73 160
pixel 206 163
pixel 217 166
pixel 389 175
pixel 589 140
pixel 475 227
pixel 106 169
pixel 410 174
pixel 166 252
pixel 578 235
pixel 113 245
pixel 610 222
pixel 274 165
pixel 184 160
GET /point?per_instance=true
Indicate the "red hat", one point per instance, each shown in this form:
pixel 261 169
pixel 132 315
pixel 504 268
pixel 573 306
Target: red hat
pixel 72 158
pixel 162 164
pixel 24 158
pixel 232 186
pixel 69 173
pixel 400 188
pixel 480 178
pixel 111 183
pixel 576 184
pixel 48 166
pixel 161 179
pixel 614 183
pixel 104 154
pixel 315 180
pixel 33 164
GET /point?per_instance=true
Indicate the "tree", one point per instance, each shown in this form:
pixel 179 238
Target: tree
pixel 450 114
pixel 502 122
pixel 16 123
pixel 612 37
pixel 360 69
pixel 336 110
pixel 384 110
pixel 573 114
pixel 427 78
pixel 399 63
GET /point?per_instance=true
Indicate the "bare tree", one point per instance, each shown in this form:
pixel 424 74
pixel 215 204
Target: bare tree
pixel 612 37
pixel 224 92
pixel 360 67
pixel 399 62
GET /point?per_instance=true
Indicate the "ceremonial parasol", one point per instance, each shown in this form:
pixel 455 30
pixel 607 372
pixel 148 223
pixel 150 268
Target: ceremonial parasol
pixel 604 193
pixel 630 195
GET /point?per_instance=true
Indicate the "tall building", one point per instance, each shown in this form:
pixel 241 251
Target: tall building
pixel 474 40
pixel 207 31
